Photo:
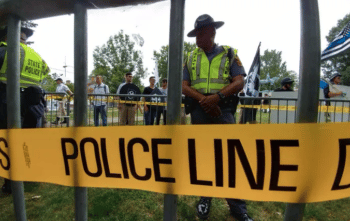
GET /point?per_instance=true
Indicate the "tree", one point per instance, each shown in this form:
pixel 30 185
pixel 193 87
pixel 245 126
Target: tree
pixel 162 57
pixel 272 64
pixel 340 63
pixel 117 57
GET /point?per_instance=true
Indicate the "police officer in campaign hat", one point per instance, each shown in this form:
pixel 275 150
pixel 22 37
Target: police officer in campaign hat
pixel 212 77
pixel 286 85
pixel 33 70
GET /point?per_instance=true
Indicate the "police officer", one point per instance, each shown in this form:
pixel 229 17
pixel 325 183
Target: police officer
pixel 212 75
pixel 286 85
pixel 33 70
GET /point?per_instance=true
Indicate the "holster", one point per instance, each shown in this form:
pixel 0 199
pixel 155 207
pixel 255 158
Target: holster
pixel 33 101
pixel 189 104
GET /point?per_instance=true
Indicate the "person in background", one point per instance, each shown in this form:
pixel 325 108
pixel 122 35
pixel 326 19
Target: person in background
pixel 162 109
pixel 128 110
pixel 286 84
pixel 213 91
pixel 61 88
pixel 99 101
pixel 149 111
pixel 334 80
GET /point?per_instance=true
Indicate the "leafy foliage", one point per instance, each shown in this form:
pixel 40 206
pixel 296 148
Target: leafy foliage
pixel 272 64
pixel 162 57
pixel 340 63
pixel 117 57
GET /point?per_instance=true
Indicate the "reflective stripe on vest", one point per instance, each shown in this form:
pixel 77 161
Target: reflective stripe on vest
pixel 209 77
pixel 33 69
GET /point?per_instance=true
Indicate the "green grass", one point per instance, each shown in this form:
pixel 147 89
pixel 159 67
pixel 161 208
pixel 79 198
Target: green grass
pixel 57 203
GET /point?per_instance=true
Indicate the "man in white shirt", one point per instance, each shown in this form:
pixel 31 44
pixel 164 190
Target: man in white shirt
pixel 61 88
pixel 162 109
pixel 99 101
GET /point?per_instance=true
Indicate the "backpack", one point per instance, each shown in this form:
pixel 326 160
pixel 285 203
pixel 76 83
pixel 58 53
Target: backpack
pixel 104 87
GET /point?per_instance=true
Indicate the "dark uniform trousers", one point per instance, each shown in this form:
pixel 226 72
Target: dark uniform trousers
pixel 29 116
pixel 198 116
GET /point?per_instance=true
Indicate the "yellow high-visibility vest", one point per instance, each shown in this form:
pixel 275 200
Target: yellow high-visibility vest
pixel 33 68
pixel 210 77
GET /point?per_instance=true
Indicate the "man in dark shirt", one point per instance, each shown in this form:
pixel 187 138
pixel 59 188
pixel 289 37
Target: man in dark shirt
pixel 149 111
pixel 286 85
pixel 128 110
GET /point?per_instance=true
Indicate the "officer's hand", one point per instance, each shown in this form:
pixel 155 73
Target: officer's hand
pixel 215 111
pixel 209 102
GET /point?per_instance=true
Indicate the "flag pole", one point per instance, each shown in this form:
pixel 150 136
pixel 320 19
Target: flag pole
pixel 309 73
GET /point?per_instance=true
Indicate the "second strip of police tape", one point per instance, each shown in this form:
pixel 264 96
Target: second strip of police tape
pixel 322 108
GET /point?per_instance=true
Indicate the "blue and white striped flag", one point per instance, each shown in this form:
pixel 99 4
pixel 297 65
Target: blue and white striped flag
pixel 339 45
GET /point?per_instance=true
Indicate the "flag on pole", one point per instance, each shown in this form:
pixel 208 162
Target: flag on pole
pixel 339 45
pixel 251 88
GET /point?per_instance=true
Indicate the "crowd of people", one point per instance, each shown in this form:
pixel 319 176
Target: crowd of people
pixel 128 99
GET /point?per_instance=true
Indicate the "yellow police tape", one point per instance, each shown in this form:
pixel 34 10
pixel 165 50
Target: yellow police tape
pixel 289 162
pixel 327 109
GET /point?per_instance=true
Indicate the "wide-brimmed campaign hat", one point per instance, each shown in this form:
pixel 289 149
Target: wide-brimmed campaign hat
pixel 203 21
pixel 27 31
pixel 335 75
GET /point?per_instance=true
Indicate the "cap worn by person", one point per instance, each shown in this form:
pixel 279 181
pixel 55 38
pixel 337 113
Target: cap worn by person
pixel 27 31
pixel 335 75
pixel 287 81
pixel 204 21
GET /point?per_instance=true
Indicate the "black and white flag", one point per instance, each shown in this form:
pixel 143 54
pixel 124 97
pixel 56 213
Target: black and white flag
pixel 339 45
pixel 251 88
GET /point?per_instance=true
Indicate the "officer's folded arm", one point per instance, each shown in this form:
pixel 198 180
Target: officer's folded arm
pixel 236 86
pixel 190 92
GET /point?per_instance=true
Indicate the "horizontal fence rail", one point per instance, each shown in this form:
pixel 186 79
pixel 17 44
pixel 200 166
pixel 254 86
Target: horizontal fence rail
pixel 60 109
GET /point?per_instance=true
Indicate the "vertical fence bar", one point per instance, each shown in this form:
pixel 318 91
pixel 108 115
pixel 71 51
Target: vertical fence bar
pixel 176 38
pixel 80 97
pixel 309 73
pixel 13 102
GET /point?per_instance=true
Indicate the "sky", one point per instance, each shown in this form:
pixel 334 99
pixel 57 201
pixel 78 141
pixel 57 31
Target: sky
pixel 274 23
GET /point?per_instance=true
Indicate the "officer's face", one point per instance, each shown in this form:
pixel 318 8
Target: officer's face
pixel 205 37
pixel 152 81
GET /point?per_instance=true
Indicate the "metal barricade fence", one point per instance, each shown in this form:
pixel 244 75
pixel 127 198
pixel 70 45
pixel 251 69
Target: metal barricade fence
pixel 113 107
pixel 249 110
